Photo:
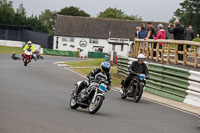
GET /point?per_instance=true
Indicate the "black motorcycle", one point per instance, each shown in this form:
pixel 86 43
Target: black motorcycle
pixel 135 88
pixel 91 97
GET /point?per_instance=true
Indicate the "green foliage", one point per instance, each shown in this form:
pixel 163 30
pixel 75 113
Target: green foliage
pixel 196 39
pixel 73 11
pixel 189 14
pixel 7 13
pixel 48 18
pixel 117 14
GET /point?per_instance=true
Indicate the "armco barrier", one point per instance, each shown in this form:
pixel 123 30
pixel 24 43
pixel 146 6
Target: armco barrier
pixel 60 53
pixel 169 82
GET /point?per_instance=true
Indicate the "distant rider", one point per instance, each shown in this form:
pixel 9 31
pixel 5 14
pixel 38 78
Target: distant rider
pixel 104 68
pixel 28 46
pixel 135 69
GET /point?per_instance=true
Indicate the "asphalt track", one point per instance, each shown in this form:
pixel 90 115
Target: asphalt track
pixel 35 99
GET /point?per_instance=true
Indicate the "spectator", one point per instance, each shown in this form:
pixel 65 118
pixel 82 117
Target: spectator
pixel 138 29
pixel 189 35
pixel 151 32
pixel 161 35
pixel 178 32
pixel 143 34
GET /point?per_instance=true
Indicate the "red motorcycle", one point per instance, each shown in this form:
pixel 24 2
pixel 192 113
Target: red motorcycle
pixel 27 56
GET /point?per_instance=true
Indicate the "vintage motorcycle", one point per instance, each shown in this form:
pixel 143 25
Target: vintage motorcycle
pixel 91 97
pixel 27 56
pixel 135 88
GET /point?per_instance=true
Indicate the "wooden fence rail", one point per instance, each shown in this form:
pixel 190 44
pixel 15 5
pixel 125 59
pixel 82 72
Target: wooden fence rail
pixel 168 51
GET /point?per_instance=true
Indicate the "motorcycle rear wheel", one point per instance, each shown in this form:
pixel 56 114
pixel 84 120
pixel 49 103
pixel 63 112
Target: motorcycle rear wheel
pixel 94 107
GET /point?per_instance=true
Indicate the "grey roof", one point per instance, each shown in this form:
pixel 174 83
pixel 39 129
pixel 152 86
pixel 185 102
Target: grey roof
pixel 96 27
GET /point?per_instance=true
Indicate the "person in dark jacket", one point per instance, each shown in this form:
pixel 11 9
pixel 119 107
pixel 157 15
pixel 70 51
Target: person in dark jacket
pixel 189 35
pixel 135 69
pixel 104 68
pixel 178 32
pixel 151 33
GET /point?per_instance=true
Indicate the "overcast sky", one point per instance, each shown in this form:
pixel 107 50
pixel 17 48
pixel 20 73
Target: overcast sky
pixel 149 10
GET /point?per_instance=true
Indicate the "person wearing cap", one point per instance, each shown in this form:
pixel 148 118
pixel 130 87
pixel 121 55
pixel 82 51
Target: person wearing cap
pixel 135 69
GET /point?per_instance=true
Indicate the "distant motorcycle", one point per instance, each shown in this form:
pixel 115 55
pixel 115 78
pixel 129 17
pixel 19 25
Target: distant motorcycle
pixel 91 97
pixel 27 56
pixel 135 88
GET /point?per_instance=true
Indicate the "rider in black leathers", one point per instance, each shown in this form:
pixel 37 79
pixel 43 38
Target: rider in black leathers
pixel 104 68
pixel 135 69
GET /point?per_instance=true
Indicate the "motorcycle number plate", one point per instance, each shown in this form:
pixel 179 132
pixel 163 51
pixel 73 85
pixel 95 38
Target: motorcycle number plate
pixel 103 87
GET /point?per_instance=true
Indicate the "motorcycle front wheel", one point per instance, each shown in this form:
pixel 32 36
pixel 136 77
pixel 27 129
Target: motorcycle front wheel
pixel 73 103
pixel 137 94
pixel 25 62
pixel 94 107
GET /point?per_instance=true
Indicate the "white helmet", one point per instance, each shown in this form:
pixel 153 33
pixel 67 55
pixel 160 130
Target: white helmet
pixel 29 42
pixel 141 56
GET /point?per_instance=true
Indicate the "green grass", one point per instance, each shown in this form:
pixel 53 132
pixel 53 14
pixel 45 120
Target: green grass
pixel 116 78
pixel 196 39
pixel 9 50
pixel 95 62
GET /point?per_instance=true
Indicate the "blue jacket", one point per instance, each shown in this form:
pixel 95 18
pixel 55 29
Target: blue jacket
pixel 143 34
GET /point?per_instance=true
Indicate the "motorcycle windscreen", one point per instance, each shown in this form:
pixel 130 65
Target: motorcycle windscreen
pixel 103 87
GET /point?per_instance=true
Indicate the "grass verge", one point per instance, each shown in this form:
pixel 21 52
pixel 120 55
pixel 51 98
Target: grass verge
pixel 95 62
pixel 116 78
pixel 9 50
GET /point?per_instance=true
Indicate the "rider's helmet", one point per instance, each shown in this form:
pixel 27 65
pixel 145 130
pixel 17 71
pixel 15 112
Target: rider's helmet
pixel 105 67
pixel 141 57
pixel 29 43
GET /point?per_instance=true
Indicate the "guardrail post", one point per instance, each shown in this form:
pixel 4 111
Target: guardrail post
pixel 162 53
pixel 176 54
pixel 184 54
pixel 168 53
pixel 195 57
pixel 157 52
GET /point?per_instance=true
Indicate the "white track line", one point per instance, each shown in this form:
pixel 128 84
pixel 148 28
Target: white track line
pixel 117 90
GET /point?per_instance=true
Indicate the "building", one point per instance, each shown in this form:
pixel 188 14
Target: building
pixel 108 36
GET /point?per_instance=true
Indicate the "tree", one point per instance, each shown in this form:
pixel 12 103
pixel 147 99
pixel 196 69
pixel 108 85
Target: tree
pixel 20 15
pixel 7 13
pixel 73 11
pixel 48 18
pixel 117 14
pixel 189 14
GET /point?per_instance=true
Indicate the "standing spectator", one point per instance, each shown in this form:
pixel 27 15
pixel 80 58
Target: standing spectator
pixel 160 35
pixel 189 35
pixel 142 34
pixel 138 29
pixel 151 32
pixel 178 32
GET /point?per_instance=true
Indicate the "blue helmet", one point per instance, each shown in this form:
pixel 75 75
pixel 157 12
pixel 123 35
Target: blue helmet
pixel 105 67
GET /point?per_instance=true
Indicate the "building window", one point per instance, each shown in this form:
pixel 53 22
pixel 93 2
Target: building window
pixel 94 41
pixel 122 47
pixel 67 39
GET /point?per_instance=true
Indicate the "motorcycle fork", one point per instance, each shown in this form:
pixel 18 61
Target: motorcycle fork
pixel 94 97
